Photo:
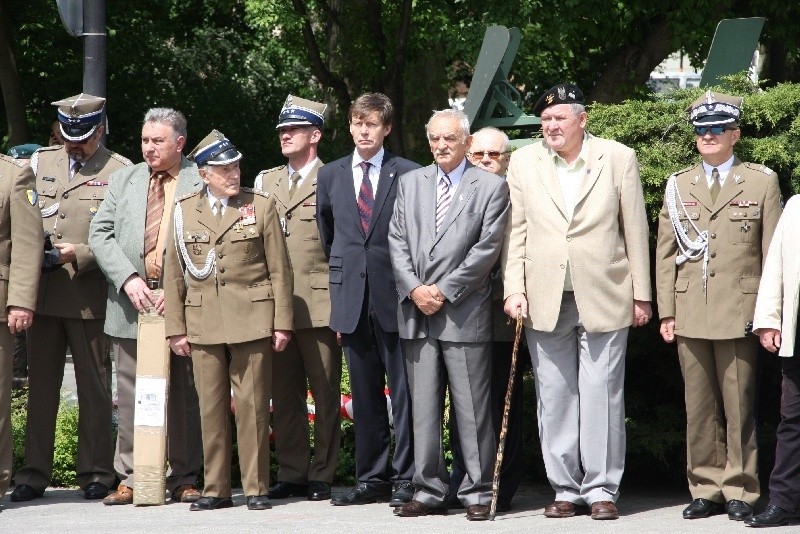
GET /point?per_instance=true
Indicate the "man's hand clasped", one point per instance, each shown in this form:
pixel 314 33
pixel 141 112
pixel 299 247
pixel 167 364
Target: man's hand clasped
pixel 428 299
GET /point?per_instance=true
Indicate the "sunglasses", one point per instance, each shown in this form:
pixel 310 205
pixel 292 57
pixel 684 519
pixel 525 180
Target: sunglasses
pixel 492 154
pixel 715 130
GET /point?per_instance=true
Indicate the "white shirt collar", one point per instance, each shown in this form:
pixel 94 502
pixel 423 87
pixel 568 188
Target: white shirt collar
pixel 375 161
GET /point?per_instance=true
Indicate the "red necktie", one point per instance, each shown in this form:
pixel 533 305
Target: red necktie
pixel 366 200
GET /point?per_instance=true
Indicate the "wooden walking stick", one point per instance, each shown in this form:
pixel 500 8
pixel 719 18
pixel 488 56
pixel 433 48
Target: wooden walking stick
pixel 504 426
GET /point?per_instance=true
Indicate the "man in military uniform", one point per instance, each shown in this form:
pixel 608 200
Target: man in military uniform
pixel 313 353
pixel 22 154
pixel 71 181
pixel 231 259
pixel 713 234
pixel 128 236
pixel 21 250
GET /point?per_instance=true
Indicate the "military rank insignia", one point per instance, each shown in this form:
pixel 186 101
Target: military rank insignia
pixel 247 215
pixel 33 197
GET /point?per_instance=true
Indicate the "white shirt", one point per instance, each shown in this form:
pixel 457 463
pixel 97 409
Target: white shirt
pixel 374 171
pixel 455 178
pixel 213 200
pixel 722 169
pixel 303 172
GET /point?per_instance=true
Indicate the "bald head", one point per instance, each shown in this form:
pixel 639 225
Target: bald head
pixel 489 150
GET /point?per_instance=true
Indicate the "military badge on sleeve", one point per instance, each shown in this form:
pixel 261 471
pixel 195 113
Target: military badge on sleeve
pixel 32 196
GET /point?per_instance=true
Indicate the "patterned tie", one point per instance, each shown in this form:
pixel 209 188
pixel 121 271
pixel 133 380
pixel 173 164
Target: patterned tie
pixel 444 200
pixel 366 200
pixel 715 184
pixel 293 183
pixel 76 168
pixel 155 209
pixel 218 211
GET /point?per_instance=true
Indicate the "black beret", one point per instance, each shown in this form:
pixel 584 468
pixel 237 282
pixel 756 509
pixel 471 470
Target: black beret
pixel 562 93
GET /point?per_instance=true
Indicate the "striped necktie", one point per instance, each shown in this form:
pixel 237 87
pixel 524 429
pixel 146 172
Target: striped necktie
pixel 155 210
pixel 445 197
pixel 366 200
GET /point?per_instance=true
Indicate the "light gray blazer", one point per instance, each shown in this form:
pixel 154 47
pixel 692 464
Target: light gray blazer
pixel 458 259
pixel 116 236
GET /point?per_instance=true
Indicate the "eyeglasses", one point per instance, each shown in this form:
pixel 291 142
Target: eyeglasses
pixel 715 130
pixel 493 154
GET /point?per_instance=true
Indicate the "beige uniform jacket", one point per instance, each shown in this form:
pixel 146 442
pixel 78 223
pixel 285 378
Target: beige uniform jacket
pixel 249 292
pixel 740 225
pixel 312 303
pixel 79 289
pixel 21 240
pixel 606 242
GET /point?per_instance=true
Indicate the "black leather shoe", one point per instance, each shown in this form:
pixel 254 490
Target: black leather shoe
pixel 365 493
pixel 258 502
pixel 23 493
pixel 402 493
pixel 738 510
pixel 210 503
pixel 773 516
pixel 283 490
pixel 701 508
pixel 319 491
pixel 95 490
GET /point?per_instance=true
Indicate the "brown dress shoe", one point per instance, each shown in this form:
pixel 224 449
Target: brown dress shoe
pixel 418 509
pixel 477 512
pixel 123 495
pixel 561 509
pixel 604 510
pixel 186 493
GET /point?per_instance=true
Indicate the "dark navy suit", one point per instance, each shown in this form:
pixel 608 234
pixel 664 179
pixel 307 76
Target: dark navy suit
pixel 364 310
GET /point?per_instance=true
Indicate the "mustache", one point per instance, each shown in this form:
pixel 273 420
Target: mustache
pixel 441 152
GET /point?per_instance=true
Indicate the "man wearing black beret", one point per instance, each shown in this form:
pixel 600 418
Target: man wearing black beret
pixel 576 265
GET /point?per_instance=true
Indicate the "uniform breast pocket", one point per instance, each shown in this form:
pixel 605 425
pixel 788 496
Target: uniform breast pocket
pixel 245 245
pixel 197 244
pixel 308 228
pixel 90 198
pixel 744 225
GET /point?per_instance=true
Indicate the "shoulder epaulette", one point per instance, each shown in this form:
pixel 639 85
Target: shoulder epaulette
pixel 255 191
pixel 188 195
pixel 273 169
pixel 684 170
pixel 759 167
pixel 120 158
pixel 49 148
pixel 9 159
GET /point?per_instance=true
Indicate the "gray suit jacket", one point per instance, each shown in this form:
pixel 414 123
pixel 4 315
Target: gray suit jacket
pixel 116 237
pixel 458 259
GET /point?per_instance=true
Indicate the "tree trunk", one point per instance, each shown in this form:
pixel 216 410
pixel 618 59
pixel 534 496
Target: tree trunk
pixel 18 132
pixel 632 65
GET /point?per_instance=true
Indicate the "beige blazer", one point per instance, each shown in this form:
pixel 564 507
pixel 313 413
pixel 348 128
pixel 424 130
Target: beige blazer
pixel 740 225
pixel 298 215
pixel 79 289
pixel 21 239
pixel 249 293
pixel 779 292
pixel 605 242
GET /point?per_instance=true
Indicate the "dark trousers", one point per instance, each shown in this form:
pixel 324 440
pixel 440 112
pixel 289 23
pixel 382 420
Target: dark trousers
pixel 373 355
pixel 510 469
pixel 784 482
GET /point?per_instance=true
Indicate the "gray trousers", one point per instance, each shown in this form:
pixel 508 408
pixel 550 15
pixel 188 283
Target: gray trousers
pixel 184 442
pixel 466 367
pixel 580 378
